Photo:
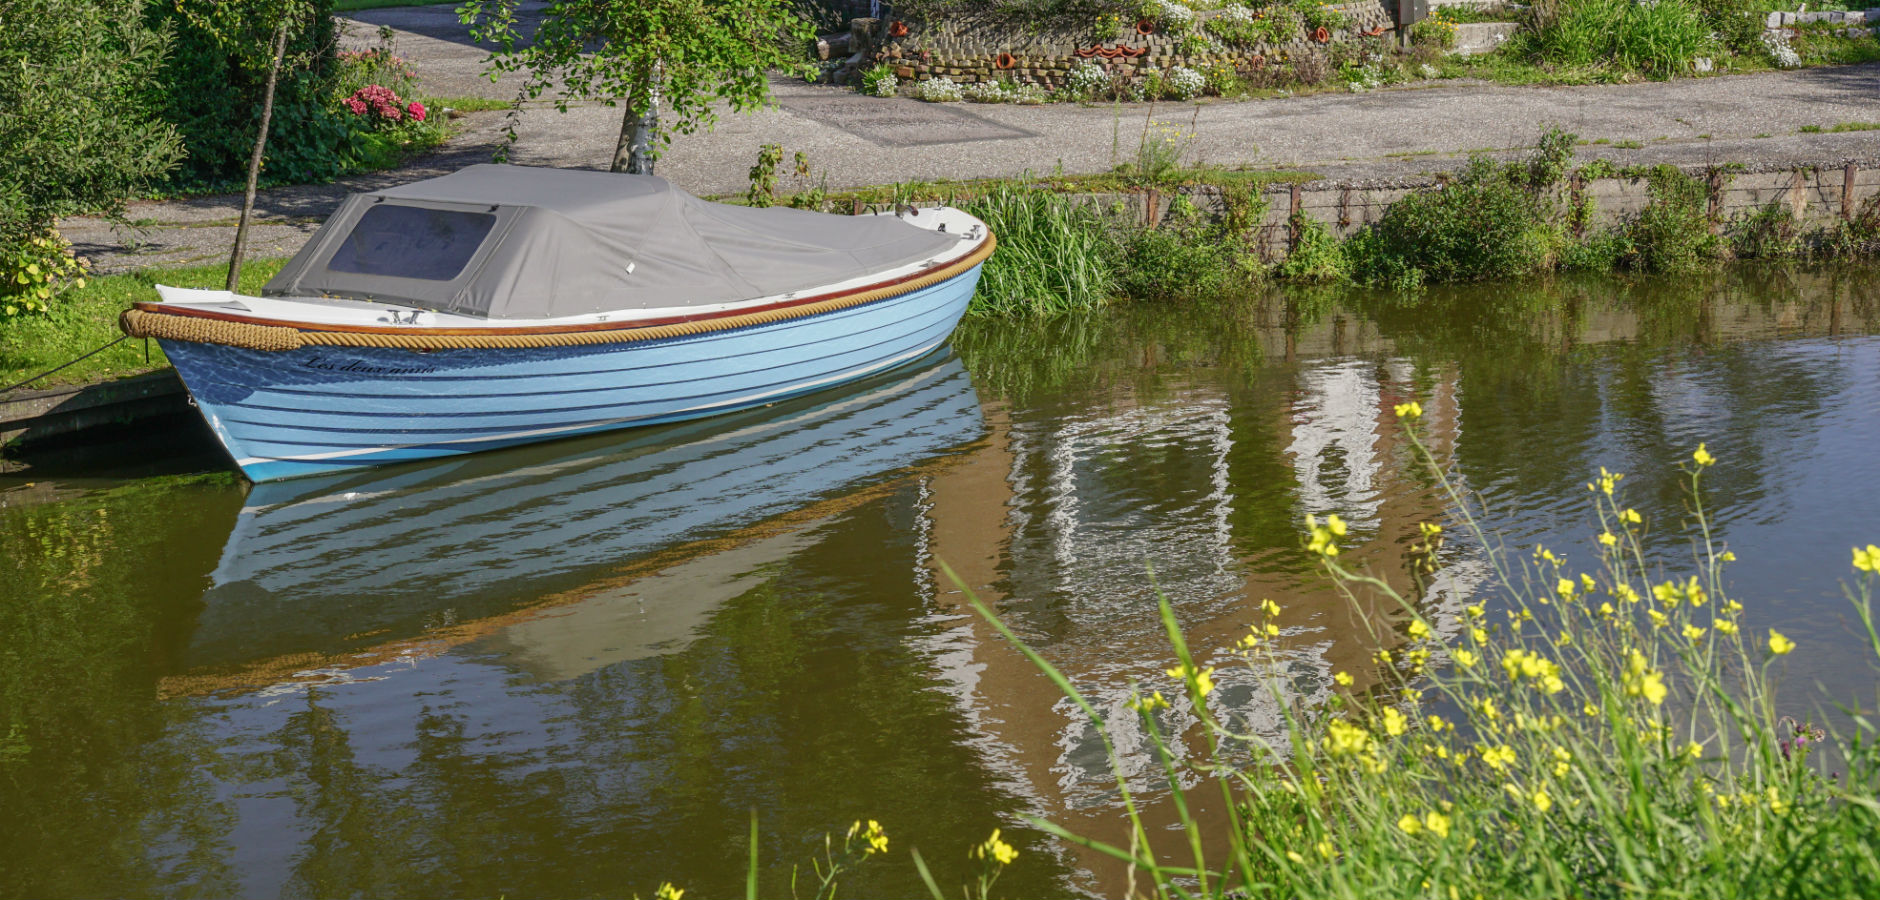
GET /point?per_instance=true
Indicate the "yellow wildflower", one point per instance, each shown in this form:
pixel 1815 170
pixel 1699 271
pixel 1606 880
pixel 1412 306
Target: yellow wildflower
pixel 1326 849
pixel 996 849
pixel 1566 588
pixel 1410 824
pixel 1394 722
pixel 1269 607
pixel 1295 857
pixel 1542 802
pixel 1419 630
pixel 1778 644
pixel 1609 539
pixel 1776 804
pixel 1694 750
pixel 1693 632
pixel 1479 635
pixel 1150 703
pixel 1590 710
pixel 1659 620
pixel 1625 592
pixel 1343 678
pixel 1464 658
pixel 1497 757
pixel 1346 739
pixel 1630 516
pixel 668 892
pixel 1643 681
pixel 1437 823
pixel 876 841
pixel 1724 626
pixel 1703 458
pixel 1475 612
pixel 1411 410
pixel 1867 560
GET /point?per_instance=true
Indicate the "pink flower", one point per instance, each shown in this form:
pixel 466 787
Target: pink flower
pixel 357 106
pixel 415 111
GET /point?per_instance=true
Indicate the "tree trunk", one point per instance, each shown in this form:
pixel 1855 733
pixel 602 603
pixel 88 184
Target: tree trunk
pixel 254 161
pixel 638 129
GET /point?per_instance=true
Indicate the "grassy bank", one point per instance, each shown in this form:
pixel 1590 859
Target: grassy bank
pixel 83 319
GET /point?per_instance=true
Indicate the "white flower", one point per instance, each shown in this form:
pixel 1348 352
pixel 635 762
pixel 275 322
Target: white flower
pixel 1174 16
pixel 1086 80
pixel 938 90
pixel 1185 83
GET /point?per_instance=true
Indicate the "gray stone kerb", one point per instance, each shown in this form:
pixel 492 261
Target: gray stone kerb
pixel 854 141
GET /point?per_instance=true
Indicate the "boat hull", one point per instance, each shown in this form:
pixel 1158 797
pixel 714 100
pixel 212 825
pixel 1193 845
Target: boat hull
pixel 314 410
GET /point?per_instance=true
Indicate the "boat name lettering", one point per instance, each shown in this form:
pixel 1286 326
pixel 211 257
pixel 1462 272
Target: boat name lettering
pixel 357 367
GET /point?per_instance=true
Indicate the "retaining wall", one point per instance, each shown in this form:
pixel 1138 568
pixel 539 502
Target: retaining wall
pixel 969 48
pixel 1819 196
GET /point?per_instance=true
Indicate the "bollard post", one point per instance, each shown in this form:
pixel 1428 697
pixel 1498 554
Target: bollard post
pixel 1847 191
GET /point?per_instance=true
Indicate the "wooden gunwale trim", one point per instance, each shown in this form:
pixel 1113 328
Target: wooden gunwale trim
pixel 624 325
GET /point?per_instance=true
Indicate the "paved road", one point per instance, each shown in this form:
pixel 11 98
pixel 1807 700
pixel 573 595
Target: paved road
pixel 1392 134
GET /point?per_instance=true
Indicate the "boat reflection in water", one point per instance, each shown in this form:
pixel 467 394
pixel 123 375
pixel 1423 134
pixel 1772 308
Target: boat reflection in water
pixel 488 545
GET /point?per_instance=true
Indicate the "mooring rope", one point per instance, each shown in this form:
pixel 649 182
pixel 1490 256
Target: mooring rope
pixel 276 338
pixel 67 365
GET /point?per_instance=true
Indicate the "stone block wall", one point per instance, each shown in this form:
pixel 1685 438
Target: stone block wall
pixel 970 49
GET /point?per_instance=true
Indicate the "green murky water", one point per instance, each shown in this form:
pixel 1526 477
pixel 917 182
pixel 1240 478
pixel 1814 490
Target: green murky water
pixel 577 669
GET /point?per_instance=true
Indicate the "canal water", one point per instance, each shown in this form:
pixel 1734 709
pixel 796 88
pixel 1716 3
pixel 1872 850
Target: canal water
pixel 582 668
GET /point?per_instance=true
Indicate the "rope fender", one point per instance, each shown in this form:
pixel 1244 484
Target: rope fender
pixel 278 338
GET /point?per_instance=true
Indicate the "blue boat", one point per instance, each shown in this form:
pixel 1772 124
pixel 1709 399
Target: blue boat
pixel 503 305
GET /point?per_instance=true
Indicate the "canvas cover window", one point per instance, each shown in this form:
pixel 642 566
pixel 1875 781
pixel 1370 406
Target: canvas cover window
pixel 412 242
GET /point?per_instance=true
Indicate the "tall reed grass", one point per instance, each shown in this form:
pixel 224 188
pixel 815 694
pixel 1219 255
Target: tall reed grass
pixel 1055 253
pixel 1659 37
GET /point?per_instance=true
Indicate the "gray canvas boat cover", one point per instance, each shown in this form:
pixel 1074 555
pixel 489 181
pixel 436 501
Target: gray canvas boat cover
pixel 514 242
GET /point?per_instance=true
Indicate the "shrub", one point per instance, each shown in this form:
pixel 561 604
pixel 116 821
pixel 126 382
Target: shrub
pixel 1493 221
pixel 1055 254
pixel 938 90
pixel 1187 258
pixel 215 106
pixel 1770 232
pixel 1438 31
pixel 1318 14
pixel 1316 256
pixel 79 128
pixel 37 269
pixel 1234 25
pixel 1673 234
pixel 1860 236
